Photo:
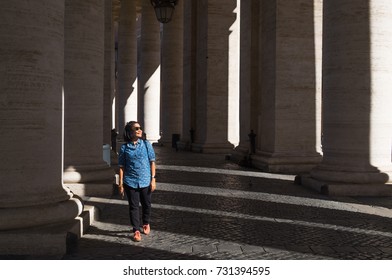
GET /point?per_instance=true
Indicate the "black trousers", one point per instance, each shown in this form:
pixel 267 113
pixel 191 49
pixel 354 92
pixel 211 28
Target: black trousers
pixel 136 196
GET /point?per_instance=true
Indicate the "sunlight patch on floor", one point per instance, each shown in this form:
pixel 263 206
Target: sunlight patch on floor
pixel 235 215
pixel 278 198
pixel 228 172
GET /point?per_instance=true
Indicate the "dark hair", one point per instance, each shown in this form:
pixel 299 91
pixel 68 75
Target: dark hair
pixel 128 131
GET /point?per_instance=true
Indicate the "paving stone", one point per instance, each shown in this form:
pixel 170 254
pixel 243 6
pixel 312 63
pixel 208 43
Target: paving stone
pixel 275 249
pixel 345 249
pixel 204 248
pixel 191 220
pixel 368 249
pixel 387 250
pixel 229 247
pixel 299 248
pixel 253 249
pixel 181 249
pixel 322 250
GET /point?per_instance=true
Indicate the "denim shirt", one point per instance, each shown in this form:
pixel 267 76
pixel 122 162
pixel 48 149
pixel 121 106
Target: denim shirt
pixel 135 159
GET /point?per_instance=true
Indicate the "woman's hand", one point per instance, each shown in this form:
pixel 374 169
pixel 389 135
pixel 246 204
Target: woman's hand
pixel 121 190
pixel 153 185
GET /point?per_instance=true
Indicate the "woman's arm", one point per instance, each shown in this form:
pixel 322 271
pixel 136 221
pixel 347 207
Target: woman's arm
pixel 153 183
pixel 120 183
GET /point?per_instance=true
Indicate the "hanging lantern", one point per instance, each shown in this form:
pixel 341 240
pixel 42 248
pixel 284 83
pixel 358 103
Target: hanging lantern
pixel 164 9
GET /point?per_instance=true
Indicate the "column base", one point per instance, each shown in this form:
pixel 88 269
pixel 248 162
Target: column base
pixel 46 242
pixel 88 174
pixel 286 164
pixel 344 189
pixel 212 148
pixel 40 215
pixel 164 143
pixel 352 175
pixel 241 156
pixel 184 145
pixel 91 189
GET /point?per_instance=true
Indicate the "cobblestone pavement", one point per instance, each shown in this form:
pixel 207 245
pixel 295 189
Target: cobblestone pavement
pixel 207 207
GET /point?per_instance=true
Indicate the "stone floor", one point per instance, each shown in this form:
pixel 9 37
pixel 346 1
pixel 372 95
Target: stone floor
pixel 207 207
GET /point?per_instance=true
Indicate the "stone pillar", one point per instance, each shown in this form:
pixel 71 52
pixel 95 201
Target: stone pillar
pixel 172 76
pixel 248 102
pixel 150 73
pixel 84 65
pixel 214 19
pixel 357 119
pixel 233 112
pixel 318 43
pixel 287 129
pixel 116 103
pixel 36 211
pixel 127 64
pixel 108 87
pixel 189 74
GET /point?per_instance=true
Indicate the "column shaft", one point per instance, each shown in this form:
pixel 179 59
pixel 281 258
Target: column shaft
pixel 357 120
pixel 233 92
pixel 189 74
pixel 108 91
pixel 127 64
pixel 149 73
pixel 248 101
pixel 214 19
pixel 31 103
pixel 172 76
pixel 84 65
pixel 287 129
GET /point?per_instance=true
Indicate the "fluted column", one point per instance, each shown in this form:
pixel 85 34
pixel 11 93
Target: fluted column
pixel 84 65
pixel 287 128
pixel 172 76
pixel 127 64
pixel 357 119
pixel 149 73
pixel 31 126
pixel 214 19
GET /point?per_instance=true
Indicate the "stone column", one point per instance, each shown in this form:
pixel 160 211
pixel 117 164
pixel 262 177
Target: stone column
pixel 357 118
pixel 189 74
pixel 318 43
pixel 116 102
pixel 108 87
pixel 233 112
pixel 127 64
pixel 214 19
pixel 84 65
pixel 248 102
pixel 172 76
pixel 150 73
pixel 287 129
pixel 32 197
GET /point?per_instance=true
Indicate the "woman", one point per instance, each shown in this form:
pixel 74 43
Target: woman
pixel 137 176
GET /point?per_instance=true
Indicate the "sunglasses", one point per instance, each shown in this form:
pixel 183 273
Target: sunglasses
pixel 137 128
